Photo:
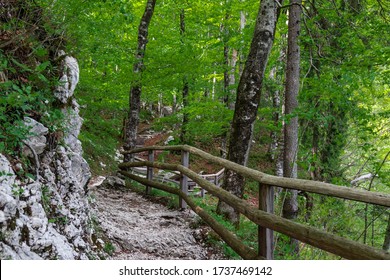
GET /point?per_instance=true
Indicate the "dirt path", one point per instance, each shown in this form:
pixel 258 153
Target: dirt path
pixel 143 230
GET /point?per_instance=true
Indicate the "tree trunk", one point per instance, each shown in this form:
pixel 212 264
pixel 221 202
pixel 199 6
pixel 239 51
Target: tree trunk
pixel 248 98
pixel 229 73
pixel 242 57
pixel 277 141
pixel 135 90
pixel 226 77
pixel 226 51
pixel 275 149
pixel 386 242
pixel 232 79
pixel 185 93
pixel 186 88
pixel 290 206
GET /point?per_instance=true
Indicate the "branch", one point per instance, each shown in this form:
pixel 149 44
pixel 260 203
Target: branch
pixel 17 37
pixel 361 178
pixel 376 172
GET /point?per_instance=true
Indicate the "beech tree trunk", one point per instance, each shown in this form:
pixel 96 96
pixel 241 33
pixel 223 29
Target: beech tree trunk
pixel 136 87
pixel 186 89
pixel 242 57
pixel 290 205
pixel 230 63
pixel 248 98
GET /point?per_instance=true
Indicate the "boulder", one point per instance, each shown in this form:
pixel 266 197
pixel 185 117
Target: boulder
pixel 69 79
pixel 166 111
pixel 113 182
pixel 169 139
pixel 37 140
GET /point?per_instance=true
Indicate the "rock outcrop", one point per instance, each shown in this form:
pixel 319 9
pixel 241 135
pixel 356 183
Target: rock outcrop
pixel 47 216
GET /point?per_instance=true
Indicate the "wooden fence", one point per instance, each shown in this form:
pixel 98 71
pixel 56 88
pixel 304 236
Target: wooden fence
pixel 175 176
pixel 263 215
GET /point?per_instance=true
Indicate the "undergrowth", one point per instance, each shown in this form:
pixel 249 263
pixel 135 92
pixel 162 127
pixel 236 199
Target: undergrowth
pixel 29 72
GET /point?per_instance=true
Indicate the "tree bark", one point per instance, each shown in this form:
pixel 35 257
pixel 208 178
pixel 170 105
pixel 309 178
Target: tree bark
pixel 386 242
pixel 242 57
pixel 290 205
pixel 248 98
pixel 232 79
pixel 230 63
pixel 136 87
pixel 186 89
pixel 184 124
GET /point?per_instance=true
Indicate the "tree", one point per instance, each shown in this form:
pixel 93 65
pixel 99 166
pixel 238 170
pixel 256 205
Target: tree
pixel 247 103
pixel 135 90
pixel 186 88
pixel 290 205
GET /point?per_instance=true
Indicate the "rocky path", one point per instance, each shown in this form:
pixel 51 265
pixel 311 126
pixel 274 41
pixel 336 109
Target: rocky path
pixel 144 230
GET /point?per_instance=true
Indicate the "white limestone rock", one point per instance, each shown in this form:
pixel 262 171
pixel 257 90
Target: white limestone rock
pixel 37 141
pixel 113 182
pixel 169 139
pixel 48 218
pixel 69 79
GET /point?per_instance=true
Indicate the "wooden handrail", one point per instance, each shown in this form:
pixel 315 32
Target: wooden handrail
pixel 288 183
pixel 331 243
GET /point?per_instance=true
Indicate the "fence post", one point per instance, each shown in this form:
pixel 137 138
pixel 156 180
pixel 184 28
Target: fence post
pixel 149 170
pixel 185 160
pixel 265 235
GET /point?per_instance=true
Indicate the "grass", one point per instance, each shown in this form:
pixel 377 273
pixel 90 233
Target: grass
pixel 100 141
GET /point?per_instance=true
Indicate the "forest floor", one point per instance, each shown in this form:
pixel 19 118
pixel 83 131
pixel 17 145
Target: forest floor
pixel 139 228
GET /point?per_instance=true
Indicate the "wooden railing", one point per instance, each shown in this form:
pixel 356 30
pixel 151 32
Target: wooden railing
pixel 263 217
pixel 174 176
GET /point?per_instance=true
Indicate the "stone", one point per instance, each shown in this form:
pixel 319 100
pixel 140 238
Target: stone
pixel 113 182
pixel 2 217
pixel 96 181
pixel 79 243
pixel 80 169
pixel 68 80
pixel 8 205
pixel 73 122
pixel 71 231
pixel 36 223
pixel 169 139
pixel 167 111
pixel 37 139
pixel 118 156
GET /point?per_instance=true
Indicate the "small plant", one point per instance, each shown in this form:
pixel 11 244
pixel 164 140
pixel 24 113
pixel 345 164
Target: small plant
pixel 109 248
pixel 17 190
pixel 63 220
pixel 45 197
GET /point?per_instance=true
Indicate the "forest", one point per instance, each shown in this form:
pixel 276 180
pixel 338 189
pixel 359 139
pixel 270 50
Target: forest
pixel 297 89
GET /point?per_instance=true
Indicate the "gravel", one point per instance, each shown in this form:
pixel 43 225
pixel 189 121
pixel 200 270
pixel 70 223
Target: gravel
pixel 140 229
